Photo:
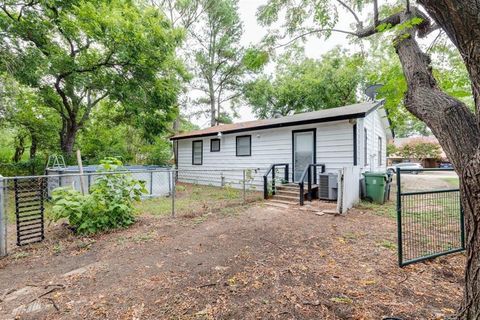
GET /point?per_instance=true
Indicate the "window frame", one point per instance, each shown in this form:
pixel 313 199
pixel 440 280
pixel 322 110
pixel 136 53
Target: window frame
pixel 201 153
pixel 250 146
pixel 380 151
pixel 219 145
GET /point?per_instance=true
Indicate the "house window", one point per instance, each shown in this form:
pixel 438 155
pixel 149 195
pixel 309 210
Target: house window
pixel 379 151
pixel 365 147
pixel 197 152
pixel 244 146
pixel 215 145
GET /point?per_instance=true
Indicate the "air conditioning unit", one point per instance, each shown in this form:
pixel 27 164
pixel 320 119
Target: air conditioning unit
pixel 327 186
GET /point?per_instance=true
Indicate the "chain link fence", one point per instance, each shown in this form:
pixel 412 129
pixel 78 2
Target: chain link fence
pixel 25 201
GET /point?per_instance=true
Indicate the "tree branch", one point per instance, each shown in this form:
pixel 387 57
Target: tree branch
pixel 64 98
pixel 375 13
pixel 359 22
pixel 312 32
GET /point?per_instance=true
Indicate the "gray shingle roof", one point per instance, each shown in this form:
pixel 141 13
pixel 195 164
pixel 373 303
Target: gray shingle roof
pixel 347 112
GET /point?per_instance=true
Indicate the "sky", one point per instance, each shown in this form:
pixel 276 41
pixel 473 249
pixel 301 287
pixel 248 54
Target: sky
pixel 253 34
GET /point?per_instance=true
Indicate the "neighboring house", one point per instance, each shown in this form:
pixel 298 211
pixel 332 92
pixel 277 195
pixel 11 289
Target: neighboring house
pixel 427 162
pixel 354 135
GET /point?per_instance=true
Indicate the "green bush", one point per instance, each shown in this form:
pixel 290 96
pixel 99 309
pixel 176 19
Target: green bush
pixel 23 168
pixel 109 205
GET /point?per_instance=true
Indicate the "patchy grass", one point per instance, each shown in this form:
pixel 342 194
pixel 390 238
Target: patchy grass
pixel 193 200
pixel 387 209
pixel 242 262
pixel 454 182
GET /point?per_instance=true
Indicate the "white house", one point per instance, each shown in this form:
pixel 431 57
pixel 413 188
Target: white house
pixel 354 135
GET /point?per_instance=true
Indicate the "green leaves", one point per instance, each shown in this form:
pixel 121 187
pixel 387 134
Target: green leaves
pixel 254 59
pixel 78 53
pixel 109 204
pixel 419 149
pixel 306 85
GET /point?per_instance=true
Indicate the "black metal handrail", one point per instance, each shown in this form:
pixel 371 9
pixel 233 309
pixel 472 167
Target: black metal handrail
pixel 308 174
pixel 265 178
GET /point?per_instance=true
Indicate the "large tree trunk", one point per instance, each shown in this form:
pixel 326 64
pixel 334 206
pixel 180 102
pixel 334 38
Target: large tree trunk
pixel 460 21
pixel 458 132
pixel 33 146
pixel 68 136
pixel 19 148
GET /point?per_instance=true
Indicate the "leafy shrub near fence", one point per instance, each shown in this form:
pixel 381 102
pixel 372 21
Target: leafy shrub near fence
pixel 109 204
pixel 23 168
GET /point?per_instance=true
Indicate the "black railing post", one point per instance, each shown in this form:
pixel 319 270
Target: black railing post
pixel 301 192
pixel 286 173
pixel 273 180
pixel 309 179
pixel 265 187
pixel 462 222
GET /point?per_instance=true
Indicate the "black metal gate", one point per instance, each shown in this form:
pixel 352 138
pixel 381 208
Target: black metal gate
pixel 430 222
pixel 30 195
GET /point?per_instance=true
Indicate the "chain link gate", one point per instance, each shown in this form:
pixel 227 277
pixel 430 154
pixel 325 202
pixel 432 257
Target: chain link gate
pixel 30 196
pixel 430 223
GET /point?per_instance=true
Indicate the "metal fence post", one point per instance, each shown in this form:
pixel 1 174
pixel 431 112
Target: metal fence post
pixel 244 187
pixel 3 218
pixel 173 192
pixel 151 182
pixel 399 219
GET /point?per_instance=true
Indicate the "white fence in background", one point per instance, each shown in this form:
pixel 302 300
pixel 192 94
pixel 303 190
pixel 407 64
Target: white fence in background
pixel 157 182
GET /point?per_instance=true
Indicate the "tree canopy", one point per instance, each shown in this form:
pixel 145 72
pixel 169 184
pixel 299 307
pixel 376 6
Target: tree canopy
pixel 76 54
pixel 300 84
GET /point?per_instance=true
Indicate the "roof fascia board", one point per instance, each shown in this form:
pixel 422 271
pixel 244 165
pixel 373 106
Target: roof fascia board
pixel 277 125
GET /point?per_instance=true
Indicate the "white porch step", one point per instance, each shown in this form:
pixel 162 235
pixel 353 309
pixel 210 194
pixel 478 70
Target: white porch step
pixel 289 198
pixel 284 202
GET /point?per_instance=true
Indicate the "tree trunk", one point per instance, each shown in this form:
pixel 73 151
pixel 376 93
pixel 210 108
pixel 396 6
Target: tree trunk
pixel 68 136
pixel 33 146
pixel 458 132
pixel 213 108
pixel 19 148
pixel 459 19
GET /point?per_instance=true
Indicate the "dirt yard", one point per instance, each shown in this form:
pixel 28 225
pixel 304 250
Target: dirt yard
pixel 253 262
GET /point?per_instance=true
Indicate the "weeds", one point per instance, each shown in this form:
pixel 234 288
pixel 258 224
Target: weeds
pixel 387 244
pixel 387 210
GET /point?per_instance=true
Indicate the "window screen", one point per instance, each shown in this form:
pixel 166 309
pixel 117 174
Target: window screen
pixel 380 151
pixel 214 145
pixel 197 152
pixel 244 146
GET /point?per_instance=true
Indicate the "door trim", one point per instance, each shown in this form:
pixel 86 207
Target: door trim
pixel 314 130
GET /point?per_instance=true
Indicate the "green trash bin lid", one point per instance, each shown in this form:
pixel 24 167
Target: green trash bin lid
pixel 375 174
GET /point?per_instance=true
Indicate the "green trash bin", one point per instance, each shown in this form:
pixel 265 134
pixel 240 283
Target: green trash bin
pixel 375 186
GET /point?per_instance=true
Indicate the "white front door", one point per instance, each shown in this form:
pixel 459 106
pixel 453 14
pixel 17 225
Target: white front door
pixel 303 152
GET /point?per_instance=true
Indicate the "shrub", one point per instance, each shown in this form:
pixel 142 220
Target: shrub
pixel 109 204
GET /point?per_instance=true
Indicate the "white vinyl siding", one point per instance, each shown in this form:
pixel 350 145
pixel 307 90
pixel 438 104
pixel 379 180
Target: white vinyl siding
pixel 334 145
pixel 376 151
pixel 379 151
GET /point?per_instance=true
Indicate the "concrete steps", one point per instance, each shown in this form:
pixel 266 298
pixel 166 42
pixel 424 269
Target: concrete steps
pixel 287 195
